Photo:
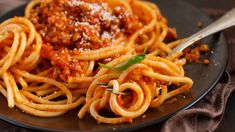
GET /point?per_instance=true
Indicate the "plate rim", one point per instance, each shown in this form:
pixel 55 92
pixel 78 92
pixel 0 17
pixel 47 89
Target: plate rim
pixel 148 122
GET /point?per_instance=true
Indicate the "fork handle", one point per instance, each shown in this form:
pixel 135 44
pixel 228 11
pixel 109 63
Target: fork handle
pixel 226 21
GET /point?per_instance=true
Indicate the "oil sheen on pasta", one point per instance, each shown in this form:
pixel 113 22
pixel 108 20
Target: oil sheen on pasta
pixel 50 59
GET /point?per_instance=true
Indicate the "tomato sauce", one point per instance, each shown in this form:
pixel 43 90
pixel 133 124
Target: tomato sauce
pixel 73 26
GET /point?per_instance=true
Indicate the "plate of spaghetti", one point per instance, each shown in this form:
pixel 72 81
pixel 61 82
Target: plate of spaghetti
pixel 103 65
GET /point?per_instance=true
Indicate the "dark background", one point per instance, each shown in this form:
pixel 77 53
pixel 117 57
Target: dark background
pixel 212 8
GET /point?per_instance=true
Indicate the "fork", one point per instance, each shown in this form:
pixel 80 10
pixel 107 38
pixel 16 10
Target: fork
pixel 226 21
pixel 110 88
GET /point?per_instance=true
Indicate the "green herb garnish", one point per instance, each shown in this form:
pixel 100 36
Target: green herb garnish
pixel 130 62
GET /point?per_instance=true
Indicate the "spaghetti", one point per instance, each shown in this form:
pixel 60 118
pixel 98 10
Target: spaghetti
pixel 49 59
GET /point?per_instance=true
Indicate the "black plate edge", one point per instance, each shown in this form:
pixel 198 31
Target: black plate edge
pixel 147 123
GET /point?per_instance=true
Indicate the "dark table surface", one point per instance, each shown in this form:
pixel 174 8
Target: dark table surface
pixel 212 8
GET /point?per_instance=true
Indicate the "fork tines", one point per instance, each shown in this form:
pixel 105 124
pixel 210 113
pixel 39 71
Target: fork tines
pixel 109 88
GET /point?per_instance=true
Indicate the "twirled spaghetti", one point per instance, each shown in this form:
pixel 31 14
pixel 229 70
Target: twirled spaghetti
pixel 49 59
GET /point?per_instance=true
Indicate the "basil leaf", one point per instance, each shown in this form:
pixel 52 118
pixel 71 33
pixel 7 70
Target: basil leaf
pixel 130 62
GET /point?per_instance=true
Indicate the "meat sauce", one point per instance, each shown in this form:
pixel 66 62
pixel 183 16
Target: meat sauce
pixel 194 54
pixel 67 26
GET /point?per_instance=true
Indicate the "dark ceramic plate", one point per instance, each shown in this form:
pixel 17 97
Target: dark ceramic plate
pixel 180 15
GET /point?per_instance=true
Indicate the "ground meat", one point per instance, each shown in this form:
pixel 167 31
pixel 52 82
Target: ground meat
pixel 69 26
pixel 194 54
pixel 206 61
pixel 62 61
pixel 82 24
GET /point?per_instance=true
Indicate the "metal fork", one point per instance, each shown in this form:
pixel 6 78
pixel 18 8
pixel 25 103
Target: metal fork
pixel 110 88
pixel 226 21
